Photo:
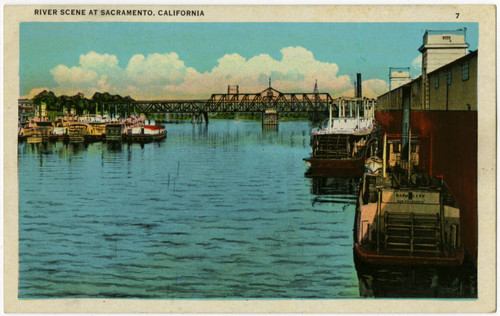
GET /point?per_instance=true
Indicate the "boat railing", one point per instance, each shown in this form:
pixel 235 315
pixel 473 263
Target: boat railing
pixel 350 124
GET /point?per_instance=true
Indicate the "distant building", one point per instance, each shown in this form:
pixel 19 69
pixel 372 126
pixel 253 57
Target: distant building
pixel 26 110
pixel 398 77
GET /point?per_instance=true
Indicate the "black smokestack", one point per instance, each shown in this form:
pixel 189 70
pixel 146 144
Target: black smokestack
pixel 405 127
pixel 358 86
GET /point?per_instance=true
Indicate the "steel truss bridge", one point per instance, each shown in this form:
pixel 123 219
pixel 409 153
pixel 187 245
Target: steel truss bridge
pixel 269 99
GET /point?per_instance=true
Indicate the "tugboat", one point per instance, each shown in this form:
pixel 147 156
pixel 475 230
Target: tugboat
pixel 404 216
pixel 145 133
pixel 350 136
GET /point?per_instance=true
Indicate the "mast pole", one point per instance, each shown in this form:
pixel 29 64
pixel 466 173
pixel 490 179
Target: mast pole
pixel 384 156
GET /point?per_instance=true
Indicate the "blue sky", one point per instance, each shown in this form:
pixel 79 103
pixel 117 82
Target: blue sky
pixel 202 56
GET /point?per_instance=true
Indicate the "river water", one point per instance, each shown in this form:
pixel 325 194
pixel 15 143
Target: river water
pixel 217 211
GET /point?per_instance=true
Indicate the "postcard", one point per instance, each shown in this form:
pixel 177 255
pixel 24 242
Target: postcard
pixel 249 159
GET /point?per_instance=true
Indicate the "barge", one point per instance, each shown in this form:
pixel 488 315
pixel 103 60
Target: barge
pixel 350 136
pixel 404 216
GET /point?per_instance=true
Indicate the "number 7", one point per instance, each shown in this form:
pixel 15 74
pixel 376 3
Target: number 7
pixel 457 14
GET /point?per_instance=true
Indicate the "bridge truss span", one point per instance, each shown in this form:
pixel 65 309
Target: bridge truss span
pixel 269 99
pixel 162 106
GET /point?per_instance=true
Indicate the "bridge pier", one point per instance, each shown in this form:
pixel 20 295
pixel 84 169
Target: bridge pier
pixel 196 118
pixel 270 118
pixel 205 116
pixel 199 117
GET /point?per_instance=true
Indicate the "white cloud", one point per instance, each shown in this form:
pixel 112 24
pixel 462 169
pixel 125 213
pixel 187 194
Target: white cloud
pixel 74 75
pixel 375 87
pixel 371 88
pixel 165 76
pixel 417 63
pixel 156 69
pixel 94 60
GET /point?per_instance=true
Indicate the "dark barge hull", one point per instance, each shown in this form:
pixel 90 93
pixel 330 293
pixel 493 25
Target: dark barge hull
pixel 113 138
pixel 336 167
pixel 371 257
pixel 94 138
pixel 76 139
pixel 142 138
pixel 55 138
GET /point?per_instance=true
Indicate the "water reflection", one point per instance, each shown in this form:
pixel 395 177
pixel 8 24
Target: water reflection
pixel 269 128
pixel 334 190
pixel 116 146
pixel 417 282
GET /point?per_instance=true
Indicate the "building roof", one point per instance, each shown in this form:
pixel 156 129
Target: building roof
pixel 441 34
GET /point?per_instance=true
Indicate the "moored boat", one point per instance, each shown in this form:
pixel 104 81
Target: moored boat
pixel 59 133
pixel 96 132
pixel 145 133
pixel 404 216
pixel 35 138
pixel 77 132
pixel 350 136
pixel 25 131
pixel 43 129
pixel 114 132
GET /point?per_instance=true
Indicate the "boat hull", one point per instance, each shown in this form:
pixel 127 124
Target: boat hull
pixel 371 257
pixel 143 138
pixel 34 140
pixel 336 167
pixel 55 138
pixel 94 138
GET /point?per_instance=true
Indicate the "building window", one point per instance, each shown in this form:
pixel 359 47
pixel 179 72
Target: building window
pixel 465 71
pixel 436 81
pixel 448 77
